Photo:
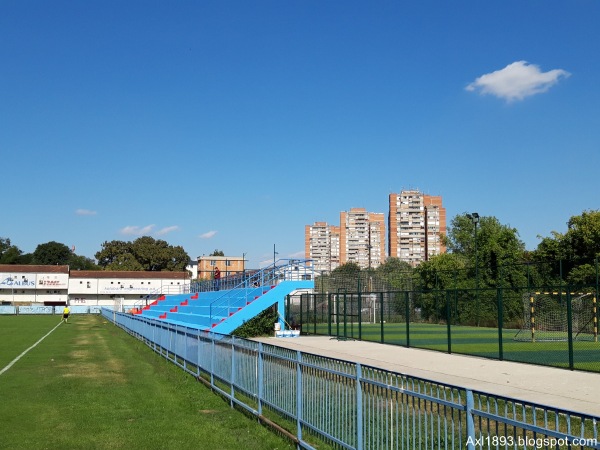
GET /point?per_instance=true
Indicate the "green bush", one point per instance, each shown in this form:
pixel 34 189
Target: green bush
pixel 261 325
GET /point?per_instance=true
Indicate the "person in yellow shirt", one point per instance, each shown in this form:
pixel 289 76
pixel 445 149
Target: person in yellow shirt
pixel 66 312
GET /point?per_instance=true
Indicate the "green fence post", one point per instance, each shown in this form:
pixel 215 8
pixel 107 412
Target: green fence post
pixel 595 317
pixel 359 316
pixel 329 314
pixel 595 306
pixel 301 317
pixel 345 317
pixel 597 279
pixel 500 323
pixel 448 318
pixel 381 315
pixel 570 327
pixel 407 308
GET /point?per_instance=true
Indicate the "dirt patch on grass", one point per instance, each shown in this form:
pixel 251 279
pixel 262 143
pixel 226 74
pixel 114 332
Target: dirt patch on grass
pixel 93 359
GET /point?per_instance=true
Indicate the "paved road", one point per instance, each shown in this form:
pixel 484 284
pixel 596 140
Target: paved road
pixel 560 388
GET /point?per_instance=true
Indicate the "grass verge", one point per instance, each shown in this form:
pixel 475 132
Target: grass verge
pixel 89 385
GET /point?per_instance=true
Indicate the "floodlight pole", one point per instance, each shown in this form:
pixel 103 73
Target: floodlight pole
pixel 244 268
pixel 475 220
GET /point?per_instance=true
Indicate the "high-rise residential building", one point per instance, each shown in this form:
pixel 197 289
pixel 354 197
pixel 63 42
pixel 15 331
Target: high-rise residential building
pixel 416 223
pixel 322 245
pixel 362 238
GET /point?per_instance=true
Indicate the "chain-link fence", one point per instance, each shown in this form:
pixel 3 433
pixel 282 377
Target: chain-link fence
pixel 552 325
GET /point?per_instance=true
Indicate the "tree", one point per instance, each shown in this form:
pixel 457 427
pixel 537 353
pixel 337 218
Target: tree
pixel 51 253
pixel 217 253
pixel 125 261
pixel 78 262
pixel 444 271
pixel 349 270
pixel 546 260
pixel 583 237
pixel 112 254
pixel 9 254
pixel 577 251
pixel 145 253
pixel 395 274
pixel 394 265
pixel 493 251
pixel 483 256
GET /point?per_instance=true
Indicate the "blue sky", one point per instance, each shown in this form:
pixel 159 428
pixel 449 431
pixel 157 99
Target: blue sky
pixel 231 125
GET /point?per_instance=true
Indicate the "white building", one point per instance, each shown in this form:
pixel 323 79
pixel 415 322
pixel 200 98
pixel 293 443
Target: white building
pixel 57 285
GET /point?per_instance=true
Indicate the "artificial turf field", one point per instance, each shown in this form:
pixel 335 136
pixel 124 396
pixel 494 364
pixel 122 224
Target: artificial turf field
pixel 89 385
pixel 476 341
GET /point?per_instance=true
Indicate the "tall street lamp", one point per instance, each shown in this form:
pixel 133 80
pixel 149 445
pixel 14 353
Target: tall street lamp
pixel 475 220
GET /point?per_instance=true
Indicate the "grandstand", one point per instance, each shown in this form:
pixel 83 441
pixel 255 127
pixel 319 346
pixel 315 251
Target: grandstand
pixel 223 311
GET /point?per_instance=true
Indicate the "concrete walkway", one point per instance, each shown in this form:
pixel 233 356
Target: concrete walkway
pixel 559 388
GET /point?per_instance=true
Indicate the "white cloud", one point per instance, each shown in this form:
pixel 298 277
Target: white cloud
pixel 166 230
pixel 208 235
pixel 265 263
pixel 517 81
pixel 137 231
pixel 85 212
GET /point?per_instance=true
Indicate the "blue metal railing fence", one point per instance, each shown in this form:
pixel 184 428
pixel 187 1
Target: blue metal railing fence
pixel 246 286
pixel 282 269
pixel 330 403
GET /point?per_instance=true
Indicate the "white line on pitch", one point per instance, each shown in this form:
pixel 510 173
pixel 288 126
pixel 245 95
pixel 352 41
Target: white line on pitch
pixel 25 352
